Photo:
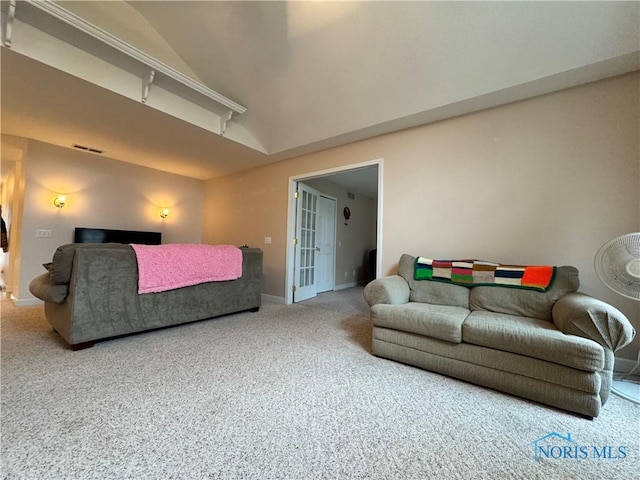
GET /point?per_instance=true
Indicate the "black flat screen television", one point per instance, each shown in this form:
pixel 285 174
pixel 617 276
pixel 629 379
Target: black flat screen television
pixel 103 235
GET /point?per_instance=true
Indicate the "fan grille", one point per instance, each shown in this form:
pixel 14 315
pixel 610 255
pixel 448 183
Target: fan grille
pixel 617 264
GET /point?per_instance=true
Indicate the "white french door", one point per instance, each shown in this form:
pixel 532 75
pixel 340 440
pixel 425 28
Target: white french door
pixel 325 240
pixel 306 245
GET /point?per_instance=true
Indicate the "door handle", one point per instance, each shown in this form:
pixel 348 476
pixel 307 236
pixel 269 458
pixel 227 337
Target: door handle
pixel 317 249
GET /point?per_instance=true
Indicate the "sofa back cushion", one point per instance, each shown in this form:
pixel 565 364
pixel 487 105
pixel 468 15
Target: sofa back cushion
pixel 60 267
pixel 426 291
pixel 527 303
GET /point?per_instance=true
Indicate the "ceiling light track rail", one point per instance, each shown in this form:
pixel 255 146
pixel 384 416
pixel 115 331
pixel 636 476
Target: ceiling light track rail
pixel 147 81
pixel 155 66
pixel 224 121
pixel 8 26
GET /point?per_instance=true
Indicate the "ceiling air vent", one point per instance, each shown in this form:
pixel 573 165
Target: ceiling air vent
pixel 87 149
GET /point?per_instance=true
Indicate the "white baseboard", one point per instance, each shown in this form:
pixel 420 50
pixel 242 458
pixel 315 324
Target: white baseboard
pixel 623 365
pixel 26 302
pixel 344 286
pixel 272 298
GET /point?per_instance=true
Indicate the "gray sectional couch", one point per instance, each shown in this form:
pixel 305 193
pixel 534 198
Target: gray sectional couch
pixel 90 294
pixel 554 347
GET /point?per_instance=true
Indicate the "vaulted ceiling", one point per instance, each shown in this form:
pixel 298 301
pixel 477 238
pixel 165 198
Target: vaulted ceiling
pixel 312 75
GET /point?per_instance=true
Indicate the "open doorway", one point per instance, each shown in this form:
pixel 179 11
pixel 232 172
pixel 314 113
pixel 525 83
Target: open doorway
pixel 357 191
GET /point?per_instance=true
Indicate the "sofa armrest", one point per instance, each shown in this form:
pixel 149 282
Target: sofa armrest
pixel 43 288
pixel 585 316
pixel 391 290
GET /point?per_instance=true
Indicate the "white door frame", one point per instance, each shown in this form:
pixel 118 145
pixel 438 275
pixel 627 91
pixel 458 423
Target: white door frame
pixel 291 218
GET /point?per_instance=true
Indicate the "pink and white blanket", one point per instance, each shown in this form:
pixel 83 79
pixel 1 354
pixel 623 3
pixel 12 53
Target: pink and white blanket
pixel 176 265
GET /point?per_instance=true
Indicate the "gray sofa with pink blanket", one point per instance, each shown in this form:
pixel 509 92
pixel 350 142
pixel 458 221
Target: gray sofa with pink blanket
pixel 91 293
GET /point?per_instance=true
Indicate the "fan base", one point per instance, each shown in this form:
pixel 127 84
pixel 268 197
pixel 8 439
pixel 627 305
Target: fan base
pixel 627 389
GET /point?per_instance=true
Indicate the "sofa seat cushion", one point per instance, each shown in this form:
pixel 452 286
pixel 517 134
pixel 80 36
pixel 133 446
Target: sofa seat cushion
pixel 471 356
pixel 532 337
pixel 437 321
pixel 528 303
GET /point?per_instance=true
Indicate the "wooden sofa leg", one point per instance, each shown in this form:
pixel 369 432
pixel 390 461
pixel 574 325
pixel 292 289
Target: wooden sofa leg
pixel 81 346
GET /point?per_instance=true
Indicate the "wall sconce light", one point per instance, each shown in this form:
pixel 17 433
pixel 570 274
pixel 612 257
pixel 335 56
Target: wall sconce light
pixel 60 201
pixel 164 213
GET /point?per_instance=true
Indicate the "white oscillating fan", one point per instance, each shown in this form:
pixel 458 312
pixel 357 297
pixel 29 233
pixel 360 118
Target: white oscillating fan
pixel 617 264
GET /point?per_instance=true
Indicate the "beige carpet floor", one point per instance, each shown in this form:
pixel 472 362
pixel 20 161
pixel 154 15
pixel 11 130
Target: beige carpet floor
pixel 290 392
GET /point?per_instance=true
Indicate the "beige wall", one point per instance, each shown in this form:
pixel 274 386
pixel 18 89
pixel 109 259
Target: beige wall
pixel 542 181
pixel 101 193
pixel 247 207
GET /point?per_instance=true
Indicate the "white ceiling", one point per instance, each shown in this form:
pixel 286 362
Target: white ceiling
pixel 362 180
pixel 316 74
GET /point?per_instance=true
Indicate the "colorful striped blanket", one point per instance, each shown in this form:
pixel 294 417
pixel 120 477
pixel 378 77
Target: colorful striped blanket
pixel 473 273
